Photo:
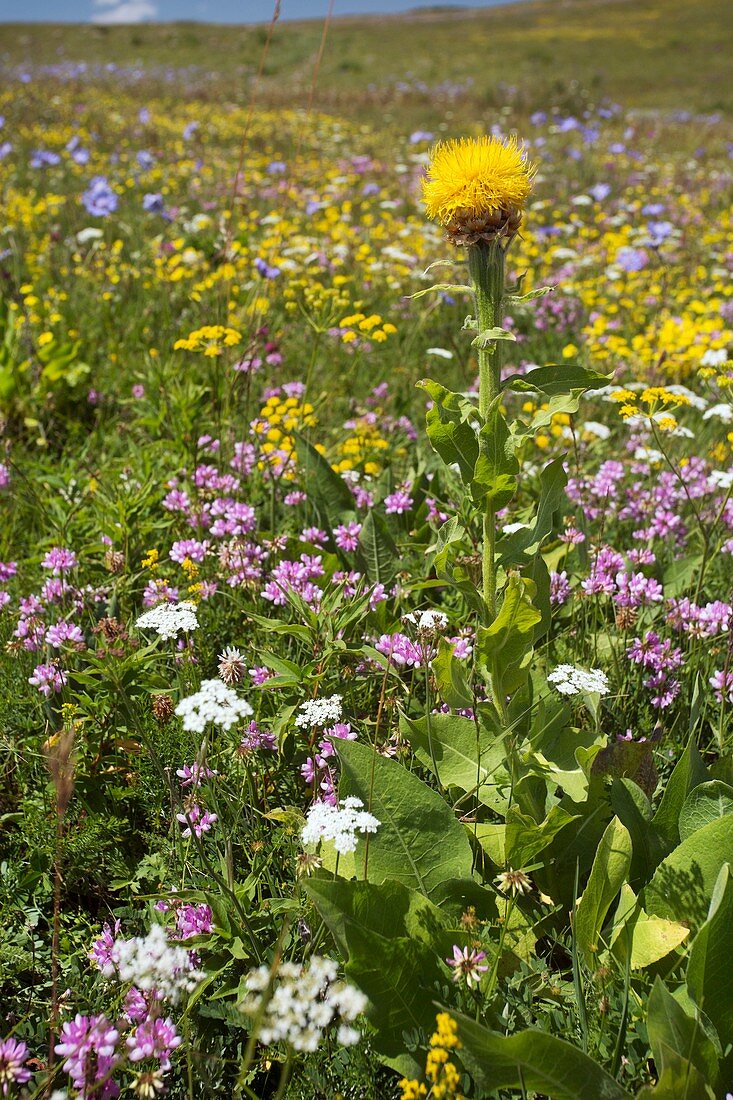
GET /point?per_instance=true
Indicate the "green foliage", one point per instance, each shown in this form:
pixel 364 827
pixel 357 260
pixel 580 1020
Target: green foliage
pixel 608 874
pixel 534 1060
pixel 419 843
pixel 505 647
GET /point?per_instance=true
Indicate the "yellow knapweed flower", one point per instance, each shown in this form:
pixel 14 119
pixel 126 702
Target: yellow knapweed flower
pixel 477 187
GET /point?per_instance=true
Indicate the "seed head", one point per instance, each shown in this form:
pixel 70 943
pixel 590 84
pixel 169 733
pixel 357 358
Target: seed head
pixel 162 707
pixel 114 561
pixel 515 881
pixel 232 666
pixel 59 753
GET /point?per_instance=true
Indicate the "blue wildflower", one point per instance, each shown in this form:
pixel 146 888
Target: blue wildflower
pixel 99 199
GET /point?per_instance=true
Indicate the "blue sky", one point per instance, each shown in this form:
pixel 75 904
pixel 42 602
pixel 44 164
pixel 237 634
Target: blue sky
pixel 214 11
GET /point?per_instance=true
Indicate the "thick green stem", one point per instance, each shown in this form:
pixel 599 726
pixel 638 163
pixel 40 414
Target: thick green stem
pixel 486 266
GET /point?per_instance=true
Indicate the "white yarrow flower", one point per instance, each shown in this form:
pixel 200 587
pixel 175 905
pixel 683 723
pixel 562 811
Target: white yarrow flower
pixel 168 620
pixel 570 680
pixel 338 823
pixel 427 622
pixel 319 712
pixel 304 1002
pixel 213 702
pixel 152 962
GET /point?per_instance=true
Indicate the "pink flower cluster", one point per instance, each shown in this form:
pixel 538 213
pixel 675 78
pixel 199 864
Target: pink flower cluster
pixel 317 771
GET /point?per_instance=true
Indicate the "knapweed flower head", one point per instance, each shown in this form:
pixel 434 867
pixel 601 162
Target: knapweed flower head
pixel 232 665
pixel 168 620
pixel 477 187
pixel 569 680
pixel 304 1002
pixel 339 823
pixel 213 702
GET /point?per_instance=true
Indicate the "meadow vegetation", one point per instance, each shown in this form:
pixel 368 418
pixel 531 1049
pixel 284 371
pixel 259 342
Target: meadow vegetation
pixel 366 584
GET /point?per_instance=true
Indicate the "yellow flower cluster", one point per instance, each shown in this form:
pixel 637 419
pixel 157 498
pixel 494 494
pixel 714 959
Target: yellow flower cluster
pixel 441 1073
pixel 320 305
pixel 211 340
pixel 151 560
pixel 659 404
pixel 363 449
pixel 359 326
pixel 278 417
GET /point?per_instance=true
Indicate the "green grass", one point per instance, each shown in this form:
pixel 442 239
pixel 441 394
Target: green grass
pixel 654 54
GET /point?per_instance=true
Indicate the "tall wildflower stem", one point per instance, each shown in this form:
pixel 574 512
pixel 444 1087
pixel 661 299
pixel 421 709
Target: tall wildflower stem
pixel 486 268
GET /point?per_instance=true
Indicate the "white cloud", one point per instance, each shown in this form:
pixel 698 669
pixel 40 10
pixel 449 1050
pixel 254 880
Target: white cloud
pixel 126 11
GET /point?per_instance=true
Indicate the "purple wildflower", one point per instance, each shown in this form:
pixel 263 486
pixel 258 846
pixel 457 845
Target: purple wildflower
pixel 12 1070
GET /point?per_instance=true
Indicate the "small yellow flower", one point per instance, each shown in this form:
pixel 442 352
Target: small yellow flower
pixel 150 561
pixel 412 1090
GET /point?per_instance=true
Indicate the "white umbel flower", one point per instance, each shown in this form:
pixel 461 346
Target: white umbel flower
pixel 570 680
pixel 338 823
pixel 304 1002
pixel 168 620
pixel 319 712
pixel 213 702
pixel 152 962
pixel 427 622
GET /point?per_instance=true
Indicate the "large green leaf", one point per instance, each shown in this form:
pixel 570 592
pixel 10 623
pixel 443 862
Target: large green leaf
pixel 704 804
pixel 708 977
pixel 450 676
pixel 683 883
pixel 556 747
pixel 673 1035
pixel 680 1081
pixel 464 756
pixel 504 647
pixel 450 533
pixel 688 773
pixel 608 874
pixel 419 841
pixel 521 840
pixel 378 549
pixel 330 493
pixel 634 810
pixel 543 417
pixel 394 940
pixel 388 909
pixel 525 543
pixel 495 474
pixel 533 1060
pixel 649 939
pixel 450 427
pixel 399 975
pixel 556 378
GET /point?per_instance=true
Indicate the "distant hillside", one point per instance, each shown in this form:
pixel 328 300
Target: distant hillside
pixel 656 54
